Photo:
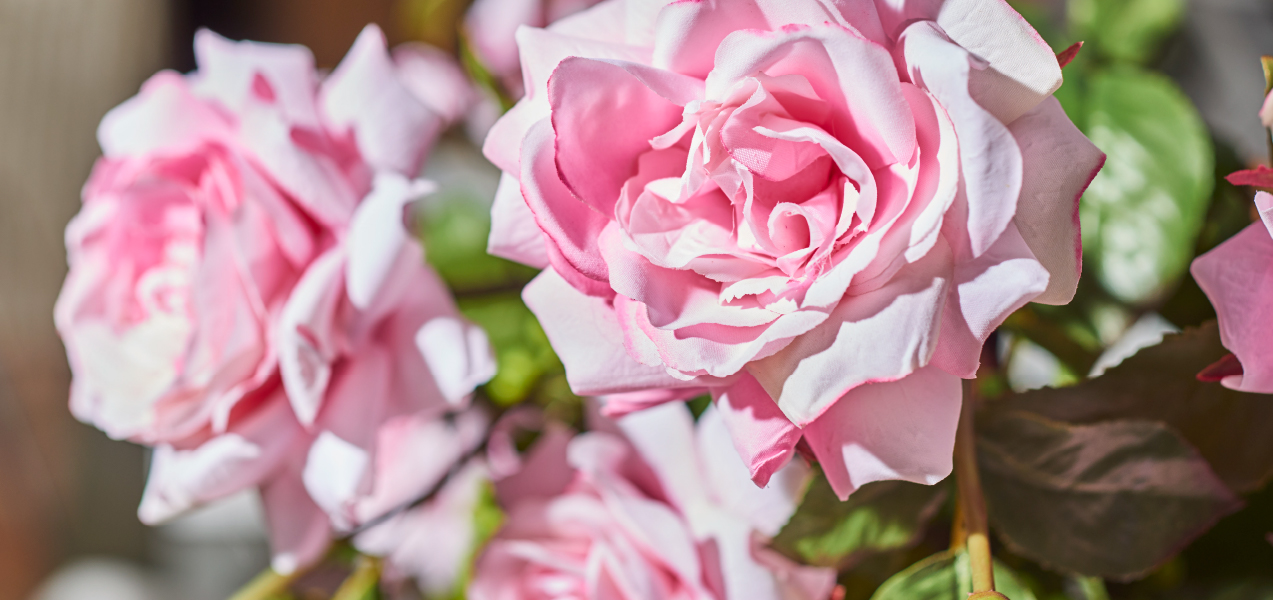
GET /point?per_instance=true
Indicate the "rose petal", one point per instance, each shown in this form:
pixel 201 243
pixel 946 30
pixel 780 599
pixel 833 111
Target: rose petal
pixel 901 430
pixel 514 234
pixel 990 158
pixel 764 437
pixel 986 291
pixel 861 341
pixel 1059 162
pixel 1237 276
pixel 392 127
pixel 586 335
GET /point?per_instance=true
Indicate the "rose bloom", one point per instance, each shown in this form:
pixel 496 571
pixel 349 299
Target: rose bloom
pixel 491 27
pixel 244 294
pixel 818 211
pixel 653 506
pixel 1237 277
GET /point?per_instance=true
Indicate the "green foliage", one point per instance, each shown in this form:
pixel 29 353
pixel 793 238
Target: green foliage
pixel 879 517
pixel 1125 30
pixel 522 352
pixel 1143 212
pixel 454 236
pixel 1112 499
pixel 1229 428
pixel 945 576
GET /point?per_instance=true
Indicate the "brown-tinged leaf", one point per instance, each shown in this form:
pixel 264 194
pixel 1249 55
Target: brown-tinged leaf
pixel 879 517
pixel 1231 429
pixel 1113 499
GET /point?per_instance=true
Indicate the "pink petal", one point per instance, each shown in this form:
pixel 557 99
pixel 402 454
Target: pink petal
pixel 586 335
pixel 435 79
pixel 1237 276
pixel 1059 162
pixel 1021 69
pixel 664 436
pixel 458 354
pixel 392 127
pixel 882 335
pixel 673 298
pixel 766 509
pixel 901 430
pixel 986 291
pixel 571 226
pixel 377 236
pixel 239 73
pixel 853 74
pixel 308 340
pixel 492 26
pixel 688 33
pixel 764 437
pixel 990 158
pixel 182 479
pixel 514 234
pixel 299 530
pixel 164 117
pixel 618 405
pixel 588 97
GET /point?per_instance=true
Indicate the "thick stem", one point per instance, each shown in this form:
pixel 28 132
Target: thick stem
pixel 972 503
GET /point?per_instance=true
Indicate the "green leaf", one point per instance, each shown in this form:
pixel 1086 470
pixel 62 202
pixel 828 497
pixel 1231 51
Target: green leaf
pixel 1112 499
pixel 522 353
pixel 1230 429
pixel 946 576
pixel 454 233
pixel 1142 214
pixel 879 517
pixel 1126 30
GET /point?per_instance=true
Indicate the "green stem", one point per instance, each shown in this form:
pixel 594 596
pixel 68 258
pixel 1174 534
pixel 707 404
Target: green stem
pixel 972 503
pixel 269 584
pixel 361 584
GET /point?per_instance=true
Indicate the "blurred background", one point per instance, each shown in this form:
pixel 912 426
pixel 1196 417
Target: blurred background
pixel 68 494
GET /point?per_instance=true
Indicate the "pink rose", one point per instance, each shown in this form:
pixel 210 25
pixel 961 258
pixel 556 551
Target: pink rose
pixel 432 543
pixel 650 506
pixel 818 211
pixel 244 294
pixel 491 27
pixel 1237 276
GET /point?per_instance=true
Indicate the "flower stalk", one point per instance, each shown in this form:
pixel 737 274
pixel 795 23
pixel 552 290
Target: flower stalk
pixel 972 505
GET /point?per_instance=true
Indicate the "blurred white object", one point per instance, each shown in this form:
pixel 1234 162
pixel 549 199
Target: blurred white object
pixel 1146 331
pixel 1030 367
pixel 100 579
pixel 210 552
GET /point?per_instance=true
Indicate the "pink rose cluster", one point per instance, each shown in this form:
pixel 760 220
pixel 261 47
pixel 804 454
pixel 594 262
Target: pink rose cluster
pixel 815 211
pixel 652 505
pixel 245 294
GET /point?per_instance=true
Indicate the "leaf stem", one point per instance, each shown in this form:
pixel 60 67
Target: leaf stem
pixel 269 584
pixel 362 581
pixel 971 502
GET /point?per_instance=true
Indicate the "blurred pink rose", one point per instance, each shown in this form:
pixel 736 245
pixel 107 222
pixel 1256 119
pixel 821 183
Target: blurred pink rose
pixel 656 507
pixel 1237 276
pixel 818 211
pixel 244 293
pixel 491 27
pixel 433 543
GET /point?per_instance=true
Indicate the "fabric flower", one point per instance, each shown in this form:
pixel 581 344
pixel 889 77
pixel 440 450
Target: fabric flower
pixel 817 211
pixel 491 27
pixel 244 293
pixel 1237 277
pixel 655 508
